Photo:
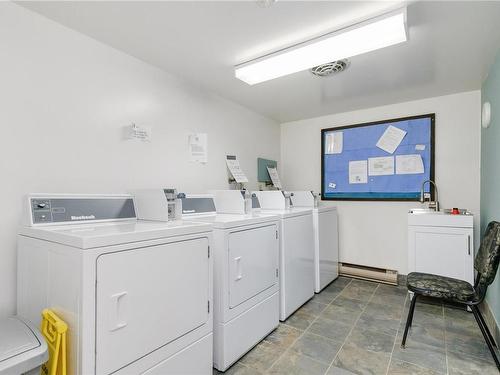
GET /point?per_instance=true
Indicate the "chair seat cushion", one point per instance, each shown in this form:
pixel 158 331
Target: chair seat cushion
pixel 440 287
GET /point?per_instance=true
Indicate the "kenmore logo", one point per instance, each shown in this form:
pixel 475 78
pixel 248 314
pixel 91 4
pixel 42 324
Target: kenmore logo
pixel 83 217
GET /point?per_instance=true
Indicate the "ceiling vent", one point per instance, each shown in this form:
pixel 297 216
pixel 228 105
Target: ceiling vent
pixel 333 67
pixel 265 3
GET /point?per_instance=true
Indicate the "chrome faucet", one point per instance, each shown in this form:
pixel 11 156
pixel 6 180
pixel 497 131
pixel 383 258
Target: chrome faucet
pixel 433 205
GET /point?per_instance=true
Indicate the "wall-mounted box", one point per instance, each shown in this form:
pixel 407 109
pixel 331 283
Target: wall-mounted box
pixel 262 173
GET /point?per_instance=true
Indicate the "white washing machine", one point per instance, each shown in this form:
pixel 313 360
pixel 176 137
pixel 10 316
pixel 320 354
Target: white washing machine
pixel 137 295
pixel 245 252
pixel 296 251
pixel 326 238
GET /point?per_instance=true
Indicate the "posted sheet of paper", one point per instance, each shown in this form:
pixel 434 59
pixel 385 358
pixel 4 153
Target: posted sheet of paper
pixel 381 166
pixel 334 143
pixel 275 178
pixel 409 164
pixel 420 147
pixel 358 172
pixel 332 185
pixel 138 132
pixel 234 167
pixel 198 147
pixel 390 140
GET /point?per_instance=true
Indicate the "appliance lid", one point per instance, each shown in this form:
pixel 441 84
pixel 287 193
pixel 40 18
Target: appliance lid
pixel 16 338
pixel 87 236
pixel 226 221
pixel 291 212
pixel 324 208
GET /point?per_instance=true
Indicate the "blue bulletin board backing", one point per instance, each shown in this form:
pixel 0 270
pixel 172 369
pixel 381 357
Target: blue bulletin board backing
pixel 358 144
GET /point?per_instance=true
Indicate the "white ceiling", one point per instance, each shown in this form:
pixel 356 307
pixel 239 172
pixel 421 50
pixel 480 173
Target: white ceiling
pixel 451 47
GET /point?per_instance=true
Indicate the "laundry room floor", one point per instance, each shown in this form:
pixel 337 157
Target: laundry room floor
pixel 355 327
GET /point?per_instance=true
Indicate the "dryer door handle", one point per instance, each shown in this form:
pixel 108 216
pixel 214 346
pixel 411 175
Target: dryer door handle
pixel 117 320
pixel 239 275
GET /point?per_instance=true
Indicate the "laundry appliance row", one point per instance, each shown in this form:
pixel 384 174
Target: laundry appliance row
pixel 137 295
pixel 163 283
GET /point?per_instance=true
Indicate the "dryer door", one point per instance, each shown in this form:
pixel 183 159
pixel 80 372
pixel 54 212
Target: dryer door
pixel 148 297
pixel 253 261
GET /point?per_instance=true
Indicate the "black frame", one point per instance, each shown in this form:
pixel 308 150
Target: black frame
pixel 432 153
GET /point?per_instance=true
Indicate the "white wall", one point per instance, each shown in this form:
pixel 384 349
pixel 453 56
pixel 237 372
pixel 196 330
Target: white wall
pixel 375 233
pixel 64 100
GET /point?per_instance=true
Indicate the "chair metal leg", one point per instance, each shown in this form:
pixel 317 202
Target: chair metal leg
pixel 492 340
pixel 476 313
pixel 409 319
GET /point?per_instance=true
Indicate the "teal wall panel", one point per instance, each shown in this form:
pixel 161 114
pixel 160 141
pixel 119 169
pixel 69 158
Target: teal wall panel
pixel 262 173
pixel 490 170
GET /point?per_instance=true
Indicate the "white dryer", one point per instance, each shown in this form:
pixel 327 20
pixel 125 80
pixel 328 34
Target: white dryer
pixel 246 287
pixel 136 295
pixel 326 238
pixel 245 252
pixel 296 250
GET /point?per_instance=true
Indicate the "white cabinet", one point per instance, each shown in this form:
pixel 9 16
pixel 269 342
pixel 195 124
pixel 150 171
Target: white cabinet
pixel 441 244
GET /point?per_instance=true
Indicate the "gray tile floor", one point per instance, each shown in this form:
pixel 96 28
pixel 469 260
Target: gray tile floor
pixel 355 327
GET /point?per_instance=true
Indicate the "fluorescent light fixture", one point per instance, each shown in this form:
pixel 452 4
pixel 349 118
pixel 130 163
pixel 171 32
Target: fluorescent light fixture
pixel 375 33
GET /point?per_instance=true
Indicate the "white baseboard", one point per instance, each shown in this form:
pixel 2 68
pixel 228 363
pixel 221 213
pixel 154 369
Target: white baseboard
pixel 380 275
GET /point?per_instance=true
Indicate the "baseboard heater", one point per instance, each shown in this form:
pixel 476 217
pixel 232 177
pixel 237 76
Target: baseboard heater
pixel 380 275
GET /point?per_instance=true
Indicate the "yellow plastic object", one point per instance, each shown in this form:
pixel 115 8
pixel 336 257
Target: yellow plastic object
pixel 54 330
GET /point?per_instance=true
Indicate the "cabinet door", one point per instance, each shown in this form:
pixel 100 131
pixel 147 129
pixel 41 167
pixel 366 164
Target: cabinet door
pixel 442 251
pixel 148 297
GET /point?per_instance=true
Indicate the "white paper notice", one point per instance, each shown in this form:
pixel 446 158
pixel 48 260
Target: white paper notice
pixel 332 185
pixel 358 172
pixel 198 147
pixel 409 164
pixel 275 178
pixel 234 167
pixel 141 133
pixel 420 147
pixel 381 166
pixel 390 140
pixel 334 143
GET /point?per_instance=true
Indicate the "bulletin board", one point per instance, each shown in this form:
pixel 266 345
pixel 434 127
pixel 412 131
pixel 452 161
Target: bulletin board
pixel 382 160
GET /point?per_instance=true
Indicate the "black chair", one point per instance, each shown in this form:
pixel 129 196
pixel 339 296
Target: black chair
pixel 459 291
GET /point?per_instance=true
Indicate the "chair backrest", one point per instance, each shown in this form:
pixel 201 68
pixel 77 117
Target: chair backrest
pixel 488 255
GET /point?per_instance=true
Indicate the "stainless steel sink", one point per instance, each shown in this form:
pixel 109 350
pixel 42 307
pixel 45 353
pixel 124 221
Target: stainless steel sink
pixel 424 211
pixel 419 211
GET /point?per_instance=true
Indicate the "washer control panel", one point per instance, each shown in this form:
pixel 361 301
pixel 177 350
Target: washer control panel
pixel 73 209
pixel 41 210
